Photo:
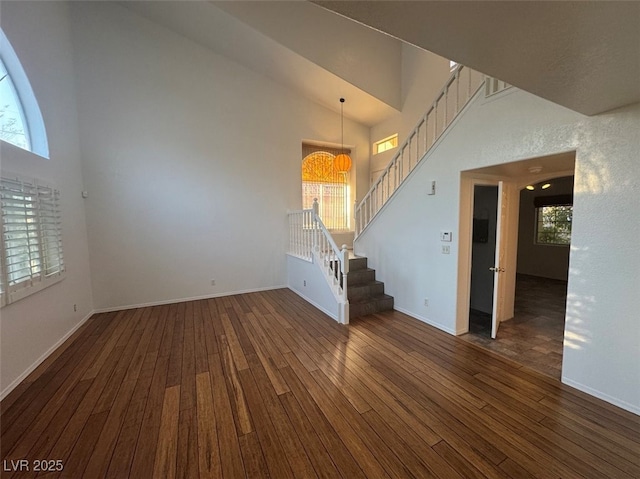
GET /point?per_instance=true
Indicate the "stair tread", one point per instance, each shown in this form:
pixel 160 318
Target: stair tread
pixel 368 283
pixel 366 294
pixel 371 298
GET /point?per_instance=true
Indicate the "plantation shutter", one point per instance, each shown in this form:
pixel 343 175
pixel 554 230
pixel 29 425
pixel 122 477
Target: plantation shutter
pixel 31 236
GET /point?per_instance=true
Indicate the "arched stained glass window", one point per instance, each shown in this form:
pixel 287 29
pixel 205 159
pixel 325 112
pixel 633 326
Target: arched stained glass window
pixel 21 122
pixel 319 167
pixel 321 180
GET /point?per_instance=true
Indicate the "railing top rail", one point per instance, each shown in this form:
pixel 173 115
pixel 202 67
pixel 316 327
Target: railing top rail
pixel 308 210
pixel 327 235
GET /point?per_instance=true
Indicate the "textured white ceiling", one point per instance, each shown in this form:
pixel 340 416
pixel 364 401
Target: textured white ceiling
pixel 532 170
pixel 582 55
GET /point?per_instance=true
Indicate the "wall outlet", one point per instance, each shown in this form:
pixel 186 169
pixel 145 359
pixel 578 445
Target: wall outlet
pixel 213 282
pixel 304 282
pixel 75 308
pixel 426 302
pixel 446 249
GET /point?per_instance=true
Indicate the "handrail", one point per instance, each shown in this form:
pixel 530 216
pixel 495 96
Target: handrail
pixel 327 237
pixel 309 239
pixel 448 103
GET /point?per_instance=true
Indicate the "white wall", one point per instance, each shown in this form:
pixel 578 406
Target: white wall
pixel 601 354
pixel 191 162
pixel 31 327
pixel 308 281
pixel 423 76
pixel 546 261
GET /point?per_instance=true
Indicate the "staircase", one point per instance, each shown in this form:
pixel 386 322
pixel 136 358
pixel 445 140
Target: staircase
pixel 457 92
pixel 309 239
pixel 366 295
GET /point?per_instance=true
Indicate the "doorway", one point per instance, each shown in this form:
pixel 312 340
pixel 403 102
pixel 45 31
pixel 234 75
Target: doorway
pixel 533 301
pixel 483 253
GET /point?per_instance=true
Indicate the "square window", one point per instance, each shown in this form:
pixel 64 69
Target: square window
pixel 553 224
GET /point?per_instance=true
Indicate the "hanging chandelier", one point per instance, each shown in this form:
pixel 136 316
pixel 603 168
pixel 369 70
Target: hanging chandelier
pixel 342 162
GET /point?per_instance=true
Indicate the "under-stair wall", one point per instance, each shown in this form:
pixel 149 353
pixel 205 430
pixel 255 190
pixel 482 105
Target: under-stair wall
pixel 307 280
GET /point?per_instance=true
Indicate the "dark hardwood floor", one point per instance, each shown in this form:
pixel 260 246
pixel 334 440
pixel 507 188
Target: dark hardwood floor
pixel 264 385
pixel 535 335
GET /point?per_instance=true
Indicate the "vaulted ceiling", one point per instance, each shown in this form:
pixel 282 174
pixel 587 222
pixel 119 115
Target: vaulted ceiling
pixel 582 55
pixel 297 44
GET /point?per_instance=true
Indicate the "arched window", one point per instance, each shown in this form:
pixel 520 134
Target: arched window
pixel 13 125
pixel 321 180
pixel 21 122
pixel 30 217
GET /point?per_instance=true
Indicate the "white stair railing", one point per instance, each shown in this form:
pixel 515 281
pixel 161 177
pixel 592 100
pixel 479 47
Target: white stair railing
pixel 302 228
pixel 310 240
pixel 456 93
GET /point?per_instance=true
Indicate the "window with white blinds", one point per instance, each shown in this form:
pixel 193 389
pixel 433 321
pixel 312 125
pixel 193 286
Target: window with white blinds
pixel 31 238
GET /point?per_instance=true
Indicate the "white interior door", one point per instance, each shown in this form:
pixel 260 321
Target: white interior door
pixel 498 268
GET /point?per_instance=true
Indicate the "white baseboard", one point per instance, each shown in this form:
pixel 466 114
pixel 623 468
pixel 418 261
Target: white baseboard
pixel 635 409
pixel 425 320
pixel 39 361
pixel 316 305
pixel 184 300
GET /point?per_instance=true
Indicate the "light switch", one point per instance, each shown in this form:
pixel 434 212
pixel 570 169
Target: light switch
pixel 446 236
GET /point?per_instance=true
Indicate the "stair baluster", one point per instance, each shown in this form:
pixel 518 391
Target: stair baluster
pixel 395 174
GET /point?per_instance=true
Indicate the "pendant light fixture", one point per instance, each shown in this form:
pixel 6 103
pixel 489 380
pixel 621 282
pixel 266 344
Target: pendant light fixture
pixel 342 162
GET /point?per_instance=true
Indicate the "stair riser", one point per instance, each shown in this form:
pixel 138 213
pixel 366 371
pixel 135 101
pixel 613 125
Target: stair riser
pixel 357 264
pixel 357 293
pixel 360 277
pixel 363 309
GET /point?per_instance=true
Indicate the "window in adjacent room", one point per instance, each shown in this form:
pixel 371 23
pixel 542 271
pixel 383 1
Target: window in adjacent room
pixel 31 241
pixel 385 144
pixel 553 224
pixel 21 122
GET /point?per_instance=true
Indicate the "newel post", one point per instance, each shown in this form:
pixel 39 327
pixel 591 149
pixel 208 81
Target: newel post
pixel 345 260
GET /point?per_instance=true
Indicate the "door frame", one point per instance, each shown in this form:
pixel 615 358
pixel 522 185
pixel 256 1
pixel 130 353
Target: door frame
pixel 468 182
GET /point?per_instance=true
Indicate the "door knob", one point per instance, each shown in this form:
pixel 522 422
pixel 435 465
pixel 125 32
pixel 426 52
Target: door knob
pixel 496 269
